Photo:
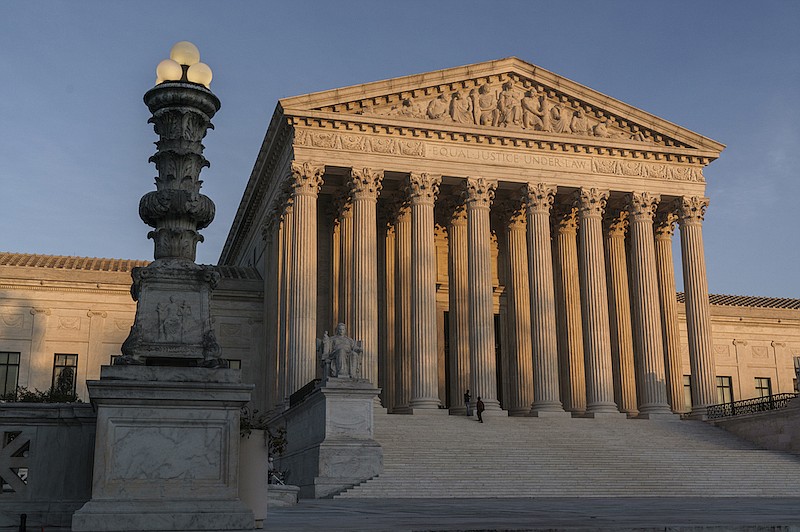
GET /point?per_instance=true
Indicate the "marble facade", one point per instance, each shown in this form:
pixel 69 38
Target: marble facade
pixel 518 210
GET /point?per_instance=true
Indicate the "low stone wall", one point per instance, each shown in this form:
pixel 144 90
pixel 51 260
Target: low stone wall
pixel 50 448
pixel 778 430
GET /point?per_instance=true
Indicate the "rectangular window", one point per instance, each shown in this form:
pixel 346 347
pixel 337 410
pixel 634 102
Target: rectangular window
pixel 687 393
pixel 763 387
pixel 234 363
pixel 9 373
pixel 66 365
pixel 724 389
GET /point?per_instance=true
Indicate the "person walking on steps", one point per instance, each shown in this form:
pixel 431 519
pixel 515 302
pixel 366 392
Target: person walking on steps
pixel 480 408
pixel 466 403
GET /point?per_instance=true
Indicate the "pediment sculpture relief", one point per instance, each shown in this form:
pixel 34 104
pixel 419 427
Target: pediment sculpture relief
pixel 511 105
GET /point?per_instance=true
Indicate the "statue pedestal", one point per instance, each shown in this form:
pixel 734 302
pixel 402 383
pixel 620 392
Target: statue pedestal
pixel 167 450
pixel 330 445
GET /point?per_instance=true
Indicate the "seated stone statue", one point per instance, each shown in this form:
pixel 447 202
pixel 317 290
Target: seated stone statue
pixel 340 355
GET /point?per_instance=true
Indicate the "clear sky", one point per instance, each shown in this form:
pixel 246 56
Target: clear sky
pixel 74 138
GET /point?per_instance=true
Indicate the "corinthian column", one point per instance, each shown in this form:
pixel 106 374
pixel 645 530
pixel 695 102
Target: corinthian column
pixel 479 196
pixel 698 322
pixel 664 226
pixel 285 232
pixel 345 307
pixel 365 185
pixel 520 368
pixel 423 189
pixel 647 312
pixel 403 307
pixel 619 309
pixel 305 180
pixel 539 201
pixel 591 203
pixel 458 293
pixel 568 309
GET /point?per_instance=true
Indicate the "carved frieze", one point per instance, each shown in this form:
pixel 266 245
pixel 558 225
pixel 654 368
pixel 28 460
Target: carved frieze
pixel 12 321
pixel 364 143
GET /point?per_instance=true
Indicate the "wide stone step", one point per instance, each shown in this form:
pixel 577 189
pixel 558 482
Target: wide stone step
pixel 453 456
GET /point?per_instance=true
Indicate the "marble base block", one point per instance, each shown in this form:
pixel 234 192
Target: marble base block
pixel 166 451
pixel 330 445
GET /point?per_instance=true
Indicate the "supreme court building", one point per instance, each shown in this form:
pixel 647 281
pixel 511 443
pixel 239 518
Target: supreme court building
pixel 494 228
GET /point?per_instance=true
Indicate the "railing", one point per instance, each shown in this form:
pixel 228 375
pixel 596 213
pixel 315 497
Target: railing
pixel 750 406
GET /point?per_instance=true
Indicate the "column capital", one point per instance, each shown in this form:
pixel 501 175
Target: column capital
pixel 665 224
pixel 97 313
pixel 642 205
pixel 616 222
pixel 692 209
pixel 37 310
pixel 565 218
pixel 423 187
pixel 511 213
pixel 454 210
pixel 305 178
pixel 365 183
pixel 538 197
pixel 343 205
pixel 479 191
pixel 591 201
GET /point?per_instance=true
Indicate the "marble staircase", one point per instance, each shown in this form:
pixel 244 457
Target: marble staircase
pixel 457 457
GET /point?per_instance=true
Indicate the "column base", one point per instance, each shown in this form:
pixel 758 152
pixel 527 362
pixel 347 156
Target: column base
pixel 428 411
pixel 549 413
pixel 659 416
pixel 459 411
pixel 602 415
pixel 402 410
pixel 519 411
pixel 424 403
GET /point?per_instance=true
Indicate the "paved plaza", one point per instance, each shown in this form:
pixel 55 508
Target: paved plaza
pixel 543 514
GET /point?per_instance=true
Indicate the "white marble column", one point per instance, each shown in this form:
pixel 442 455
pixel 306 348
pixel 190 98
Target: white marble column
pixel 519 346
pixel 306 178
pixel 568 309
pixel 591 203
pixel 272 299
pixel 345 314
pixel 387 353
pixel 664 227
pixel 365 185
pixel 646 308
pixel 691 211
pixel 286 229
pixel 619 310
pixel 403 307
pixel 479 196
pixel 458 294
pixel 546 394
pixel 423 189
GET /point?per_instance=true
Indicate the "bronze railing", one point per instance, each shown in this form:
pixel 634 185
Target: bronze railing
pixel 750 406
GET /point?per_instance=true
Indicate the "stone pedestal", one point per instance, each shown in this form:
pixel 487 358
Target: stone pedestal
pixel 166 451
pixel 330 445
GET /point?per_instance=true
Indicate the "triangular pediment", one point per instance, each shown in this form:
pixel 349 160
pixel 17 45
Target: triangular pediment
pixel 501 97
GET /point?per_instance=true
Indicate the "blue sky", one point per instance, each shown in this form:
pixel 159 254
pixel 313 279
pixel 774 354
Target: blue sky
pixel 74 141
